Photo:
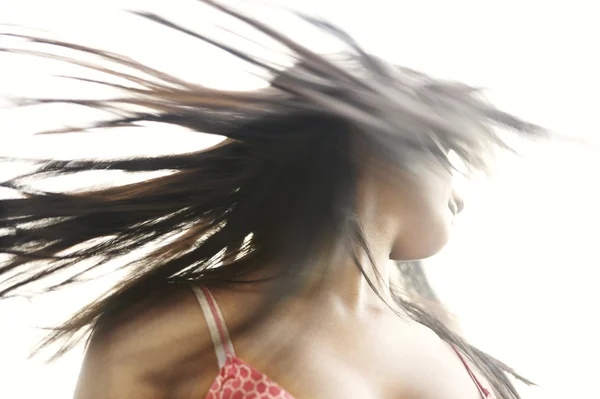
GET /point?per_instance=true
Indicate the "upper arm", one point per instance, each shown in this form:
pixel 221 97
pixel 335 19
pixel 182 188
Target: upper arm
pixel 157 350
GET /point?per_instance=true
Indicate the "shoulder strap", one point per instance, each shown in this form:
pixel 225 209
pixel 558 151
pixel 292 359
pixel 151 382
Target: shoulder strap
pixel 216 324
pixel 485 393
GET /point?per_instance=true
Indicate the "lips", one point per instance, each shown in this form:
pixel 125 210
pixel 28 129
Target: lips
pixel 456 205
pixel 453 207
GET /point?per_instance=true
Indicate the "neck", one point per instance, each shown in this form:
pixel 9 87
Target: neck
pixel 339 280
pixel 344 283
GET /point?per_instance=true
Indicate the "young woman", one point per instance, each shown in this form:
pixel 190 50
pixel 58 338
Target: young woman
pixel 271 272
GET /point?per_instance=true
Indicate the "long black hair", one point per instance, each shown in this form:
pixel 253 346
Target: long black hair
pixel 281 186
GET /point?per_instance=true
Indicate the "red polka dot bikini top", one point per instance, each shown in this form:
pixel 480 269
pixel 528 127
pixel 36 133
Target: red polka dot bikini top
pixel 239 380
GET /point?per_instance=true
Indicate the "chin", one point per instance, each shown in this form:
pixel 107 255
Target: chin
pixel 419 246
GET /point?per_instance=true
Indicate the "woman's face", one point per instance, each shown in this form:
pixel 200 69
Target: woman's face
pixel 416 205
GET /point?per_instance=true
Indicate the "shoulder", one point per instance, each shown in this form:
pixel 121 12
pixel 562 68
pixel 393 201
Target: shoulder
pixel 153 347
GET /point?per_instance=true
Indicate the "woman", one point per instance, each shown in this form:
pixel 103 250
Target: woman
pixel 270 272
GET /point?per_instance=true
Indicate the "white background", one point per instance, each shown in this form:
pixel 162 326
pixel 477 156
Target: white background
pixel 522 269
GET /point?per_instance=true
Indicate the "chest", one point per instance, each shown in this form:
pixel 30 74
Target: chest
pixel 385 360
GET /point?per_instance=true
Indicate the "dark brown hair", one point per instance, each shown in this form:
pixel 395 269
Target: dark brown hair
pixel 282 186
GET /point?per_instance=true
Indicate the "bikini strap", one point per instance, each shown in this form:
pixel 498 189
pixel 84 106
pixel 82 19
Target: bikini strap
pixel 485 393
pixel 216 324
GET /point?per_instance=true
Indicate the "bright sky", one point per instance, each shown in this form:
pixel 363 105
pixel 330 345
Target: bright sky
pixel 521 271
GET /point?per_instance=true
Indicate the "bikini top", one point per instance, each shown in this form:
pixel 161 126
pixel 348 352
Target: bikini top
pixel 239 380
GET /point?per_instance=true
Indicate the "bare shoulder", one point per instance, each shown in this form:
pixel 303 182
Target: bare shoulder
pixel 158 348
